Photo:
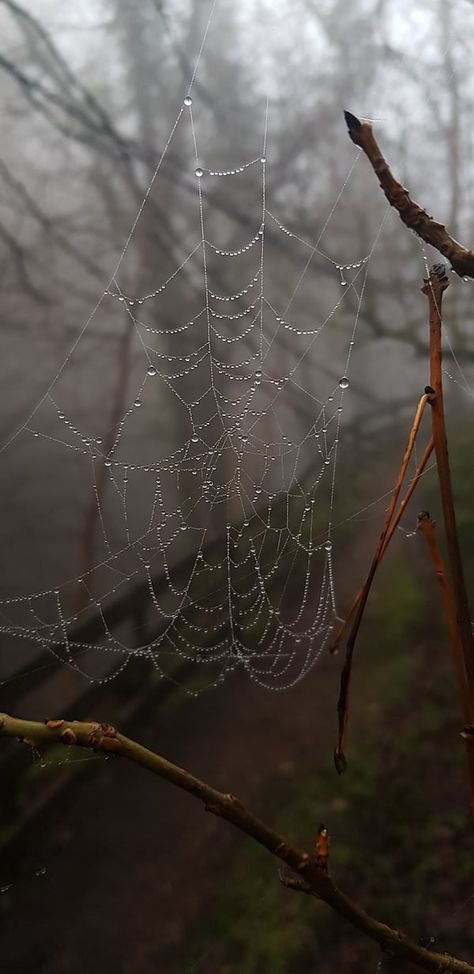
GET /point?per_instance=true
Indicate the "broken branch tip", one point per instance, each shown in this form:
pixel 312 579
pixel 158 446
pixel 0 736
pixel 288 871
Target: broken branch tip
pixel 353 123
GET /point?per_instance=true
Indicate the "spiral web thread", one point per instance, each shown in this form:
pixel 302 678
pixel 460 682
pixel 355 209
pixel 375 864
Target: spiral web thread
pixel 247 489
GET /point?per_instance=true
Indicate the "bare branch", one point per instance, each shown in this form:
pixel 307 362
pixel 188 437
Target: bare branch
pixel 361 600
pixel 104 738
pixel 434 289
pixel 412 215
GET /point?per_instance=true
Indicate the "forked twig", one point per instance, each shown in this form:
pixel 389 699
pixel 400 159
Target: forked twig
pixel 314 879
pixel 434 288
pixel 361 600
pixel 462 261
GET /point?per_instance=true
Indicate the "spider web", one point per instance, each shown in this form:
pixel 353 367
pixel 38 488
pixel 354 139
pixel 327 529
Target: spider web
pixel 222 519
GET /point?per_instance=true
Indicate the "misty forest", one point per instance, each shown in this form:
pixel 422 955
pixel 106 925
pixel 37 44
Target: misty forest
pixel 237 487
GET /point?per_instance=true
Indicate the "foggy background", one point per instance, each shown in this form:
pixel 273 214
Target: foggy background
pixel 90 94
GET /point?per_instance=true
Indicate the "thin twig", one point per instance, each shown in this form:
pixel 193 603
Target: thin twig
pixel 104 738
pixel 339 635
pixel 426 527
pixel 343 702
pixel 434 288
pixel 412 215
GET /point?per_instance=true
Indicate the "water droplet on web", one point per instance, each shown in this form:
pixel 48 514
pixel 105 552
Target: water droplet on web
pixel 137 402
pixel 188 101
pixel 258 374
pixel 151 370
pixel 107 463
pixel 328 546
pixel 195 438
pixel 344 382
pixel 199 172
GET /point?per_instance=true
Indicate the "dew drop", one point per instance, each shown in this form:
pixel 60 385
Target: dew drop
pixel 137 402
pixel 328 546
pixel 199 172
pixel 344 382
pixel 107 463
pixel 188 101
pixel 151 370
pixel 195 438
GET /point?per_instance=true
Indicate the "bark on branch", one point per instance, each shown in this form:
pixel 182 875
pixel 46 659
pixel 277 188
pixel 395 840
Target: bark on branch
pixel 412 215
pixel 314 879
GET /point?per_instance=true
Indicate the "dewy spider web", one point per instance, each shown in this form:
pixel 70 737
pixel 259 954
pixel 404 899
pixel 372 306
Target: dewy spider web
pixel 246 493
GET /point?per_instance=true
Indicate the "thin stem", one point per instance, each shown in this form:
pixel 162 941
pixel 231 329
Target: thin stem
pixel 393 527
pixel 104 738
pixel 343 702
pixel 434 289
pixel 426 527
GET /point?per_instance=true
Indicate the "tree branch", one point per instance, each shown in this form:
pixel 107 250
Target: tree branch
pixel 361 599
pixel 315 880
pixel 412 215
pixel 434 288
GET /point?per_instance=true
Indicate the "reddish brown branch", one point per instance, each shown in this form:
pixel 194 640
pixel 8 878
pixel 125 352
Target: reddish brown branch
pixel 412 215
pixel 434 288
pixel 337 638
pixel 361 600
pixel 426 526
pixel 310 877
